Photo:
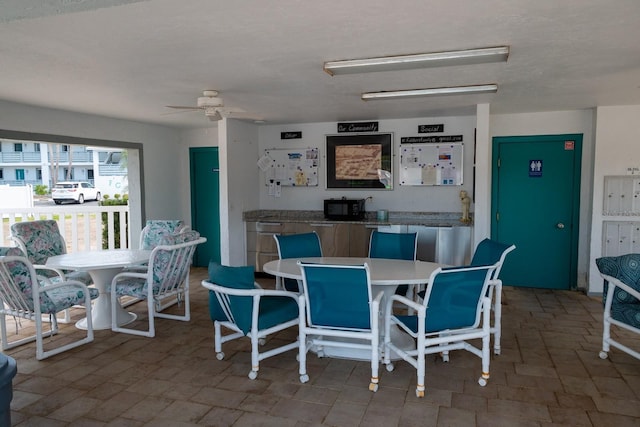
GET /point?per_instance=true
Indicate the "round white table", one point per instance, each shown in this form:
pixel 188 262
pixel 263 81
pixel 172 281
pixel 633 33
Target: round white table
pixel 102 266
pixel 386 275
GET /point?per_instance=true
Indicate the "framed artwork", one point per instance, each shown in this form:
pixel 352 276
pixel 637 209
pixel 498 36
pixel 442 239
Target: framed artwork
pixel 360 161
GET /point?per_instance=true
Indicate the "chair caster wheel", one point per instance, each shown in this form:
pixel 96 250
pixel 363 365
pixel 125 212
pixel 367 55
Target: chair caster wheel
pixel 603 355
pixel 261 341
pixel 304 378
pixel 373 387
pixel 419 393
pixel 220 356
pixel 390 367
pixel 320 354
pixel 445 357
pixel 253 375
pixel 496 351
pixel 482 381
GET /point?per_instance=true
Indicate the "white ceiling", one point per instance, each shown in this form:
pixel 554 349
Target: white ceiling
pixel 128 59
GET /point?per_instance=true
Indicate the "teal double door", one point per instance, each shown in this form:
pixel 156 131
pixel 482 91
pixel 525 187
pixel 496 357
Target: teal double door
pixel 205 202
pixel 535 205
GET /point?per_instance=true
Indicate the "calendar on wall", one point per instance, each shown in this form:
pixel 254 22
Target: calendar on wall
pixel 431 164
pixel 290 167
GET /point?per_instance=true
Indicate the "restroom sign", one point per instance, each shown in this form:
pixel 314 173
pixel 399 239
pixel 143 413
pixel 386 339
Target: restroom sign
pixel 535 168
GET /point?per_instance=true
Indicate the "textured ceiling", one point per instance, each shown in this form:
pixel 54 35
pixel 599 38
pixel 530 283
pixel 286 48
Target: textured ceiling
pixel 129 59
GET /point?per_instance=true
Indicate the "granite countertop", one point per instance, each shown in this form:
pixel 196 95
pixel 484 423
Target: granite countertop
pixel 427 219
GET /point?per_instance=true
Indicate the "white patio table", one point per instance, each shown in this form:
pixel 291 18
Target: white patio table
pixel 102 265
pixel 386 275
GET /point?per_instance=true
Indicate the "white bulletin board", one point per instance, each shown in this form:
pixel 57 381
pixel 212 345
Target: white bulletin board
pixel 290 167
pixel 431 164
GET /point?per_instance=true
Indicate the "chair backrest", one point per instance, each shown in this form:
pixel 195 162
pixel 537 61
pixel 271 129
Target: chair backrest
pixel 225 307
pixel 393 245
pixel 491 252
pixel 170 261
pixel 18 280
pixel 298 245
pixel 625 268
pixel 454 297
pixel 155 229
pixel 337 296
pixel 39 240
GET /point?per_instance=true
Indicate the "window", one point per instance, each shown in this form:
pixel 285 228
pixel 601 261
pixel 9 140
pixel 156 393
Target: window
pixel 36 147
pixel 17 147
pixel 39 174
pixel 65 148
pixel 1 174
pixel 90 175
pixel 68 174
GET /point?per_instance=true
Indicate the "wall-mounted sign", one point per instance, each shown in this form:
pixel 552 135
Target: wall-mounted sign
pixel 569 145
pixel 535 168
pixel 431 128
pixel 425 139
pixel 358 127
pixel 290 135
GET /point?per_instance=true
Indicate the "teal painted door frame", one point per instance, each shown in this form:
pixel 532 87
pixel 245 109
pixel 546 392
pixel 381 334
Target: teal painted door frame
pixel 535 204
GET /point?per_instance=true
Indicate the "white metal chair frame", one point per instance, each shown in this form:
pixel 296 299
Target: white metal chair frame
pixel 256 335
pixel 313 336
pixel 607 340
pixel 440 341
pixel 175 283
pixel 15 304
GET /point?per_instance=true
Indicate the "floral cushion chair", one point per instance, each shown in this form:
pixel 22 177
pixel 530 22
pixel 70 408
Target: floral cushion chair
pixel 28 296
pixel 155 229
pixel 40 240
pixel 166 277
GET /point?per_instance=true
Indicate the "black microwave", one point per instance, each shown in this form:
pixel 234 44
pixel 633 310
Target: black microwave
pixel 344 209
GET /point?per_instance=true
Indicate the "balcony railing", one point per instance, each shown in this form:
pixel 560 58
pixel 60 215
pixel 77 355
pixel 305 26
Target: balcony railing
pixel 20 157
pixel 81 226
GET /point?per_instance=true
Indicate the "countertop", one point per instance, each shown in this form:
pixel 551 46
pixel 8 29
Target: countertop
pixel 427 219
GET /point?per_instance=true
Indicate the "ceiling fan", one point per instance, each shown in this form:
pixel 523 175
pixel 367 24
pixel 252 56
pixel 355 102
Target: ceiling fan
pixel 214 108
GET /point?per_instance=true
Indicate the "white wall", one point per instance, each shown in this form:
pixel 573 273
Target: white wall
pixel 238 142
pixel 617 148
pixel 401 198
pixel 555 123
pixel 161 147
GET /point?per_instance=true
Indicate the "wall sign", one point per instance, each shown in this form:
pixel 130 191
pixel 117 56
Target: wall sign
pixel 290 135
pixel 431 128
pixel 358 127
pixel 535 168
pixel 427 139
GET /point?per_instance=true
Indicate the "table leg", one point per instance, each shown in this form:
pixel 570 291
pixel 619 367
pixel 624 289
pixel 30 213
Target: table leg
pixel 101 308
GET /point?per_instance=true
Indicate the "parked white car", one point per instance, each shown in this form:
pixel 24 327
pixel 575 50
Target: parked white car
pixel 74 191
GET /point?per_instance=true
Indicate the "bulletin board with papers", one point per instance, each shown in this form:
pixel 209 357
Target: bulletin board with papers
pixel 290 167
pixel 431 164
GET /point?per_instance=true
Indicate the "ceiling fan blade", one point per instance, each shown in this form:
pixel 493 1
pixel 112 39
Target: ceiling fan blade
pixel 183 107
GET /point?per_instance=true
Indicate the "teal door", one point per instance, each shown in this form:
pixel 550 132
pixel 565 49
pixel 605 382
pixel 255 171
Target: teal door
pixel 535 205
pixel 205 202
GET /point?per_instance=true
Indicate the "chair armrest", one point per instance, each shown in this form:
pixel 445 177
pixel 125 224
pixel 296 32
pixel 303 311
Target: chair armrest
pixel 129 274
pixel 613 282
pixel 405 301
pixel 47 268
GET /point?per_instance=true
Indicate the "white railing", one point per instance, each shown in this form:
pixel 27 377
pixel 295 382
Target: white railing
pixel 81 226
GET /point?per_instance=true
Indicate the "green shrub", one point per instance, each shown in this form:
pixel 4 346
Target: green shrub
pixel 106 201
pixel 41 190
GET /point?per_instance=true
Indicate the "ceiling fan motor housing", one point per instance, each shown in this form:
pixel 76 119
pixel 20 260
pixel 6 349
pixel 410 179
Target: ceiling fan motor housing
pixel 209 101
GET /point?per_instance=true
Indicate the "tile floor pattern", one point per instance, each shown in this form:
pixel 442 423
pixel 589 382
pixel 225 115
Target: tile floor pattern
pixel 548 374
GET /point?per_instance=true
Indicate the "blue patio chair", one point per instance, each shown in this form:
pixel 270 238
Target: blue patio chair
pixel 337 308
pixel 237 303
pixel 455 310
pixel 296 246
pixel 492 252
pixel 394 246
pixel 25 295
pixel 621 299
pixel 40 240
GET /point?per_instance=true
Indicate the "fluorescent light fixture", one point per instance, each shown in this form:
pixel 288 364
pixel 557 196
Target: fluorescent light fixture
pixel 438 91
pixel 421 60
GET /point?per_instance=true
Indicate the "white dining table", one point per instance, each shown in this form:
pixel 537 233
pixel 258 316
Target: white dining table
pixel 102 266
pixel 385 274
